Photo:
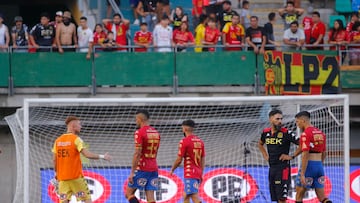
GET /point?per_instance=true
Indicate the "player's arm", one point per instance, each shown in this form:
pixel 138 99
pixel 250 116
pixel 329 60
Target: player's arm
pixel 57 38
pixel 54 162
pixel 176 164
pixel 304 163
pixel 299 11
pixel 323 156
pixel 91 155
pixel 75 39
pixel 263 150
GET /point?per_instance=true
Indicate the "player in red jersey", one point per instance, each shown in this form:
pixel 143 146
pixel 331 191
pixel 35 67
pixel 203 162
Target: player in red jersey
pixel 143 38
pixel 144 169
pixel 192 150
pixel 313 146
pixel 211 35
pixel 119 27
pixel 183 37
pixel 233 33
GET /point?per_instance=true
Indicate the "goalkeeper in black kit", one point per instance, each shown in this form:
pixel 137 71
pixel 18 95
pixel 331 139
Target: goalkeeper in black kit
pixel 278 140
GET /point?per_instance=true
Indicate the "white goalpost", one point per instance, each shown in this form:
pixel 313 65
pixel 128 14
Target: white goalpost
pixel 229 126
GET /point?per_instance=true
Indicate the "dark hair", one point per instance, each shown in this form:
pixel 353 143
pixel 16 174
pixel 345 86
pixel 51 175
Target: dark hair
pixel 110 32
pixel 295 22
pixel 202 18
pixel 271 16
pixel 335 32
pixel 245 3
pixel 143 23
pixel 181 9
pixel 212 20
pixel 83 18
pixel 117 14
pixel 189 123
pixel 46 15
pixel 355 26
pixel 144 112
pixel 274 111
pixel 227 2
pixel 71 118
pixel 98 25
pixel 316 13
pixel 290 2
pixel 355 14
pixel 254 17
pixel 305 114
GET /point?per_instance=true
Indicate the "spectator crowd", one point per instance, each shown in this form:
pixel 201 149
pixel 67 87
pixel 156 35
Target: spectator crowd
pixel 163 30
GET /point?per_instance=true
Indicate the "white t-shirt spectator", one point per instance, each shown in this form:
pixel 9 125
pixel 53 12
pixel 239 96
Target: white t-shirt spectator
pixel 162 37
pixel 84 38
pixel 3 31
pixel 293 37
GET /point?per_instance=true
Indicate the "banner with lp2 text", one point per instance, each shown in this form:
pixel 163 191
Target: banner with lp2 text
pixel 301 73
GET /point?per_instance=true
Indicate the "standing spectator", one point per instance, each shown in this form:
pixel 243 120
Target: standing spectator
pixel 119 27
pixel 162 8
pixel 200 32
pixel 183 38
pixel 109 43
pixel 269 31
pixel 196 11
pixel 307 25
pixel 177 17
pixel 354 18
pixel 233 34
pixel 147 9
pixel 43 34
pixel 66 34
pixel 133 5
pixel 20 35
pixel 4 35
pixel 255 36
pixel 317 32
pixel 216 18
pixel 192 150
pixel 143 38
pixel 227 13
pixel 245 14
pixel 163 35
pixel 213 6
pixel 85 36
pixel 99 36
pixel 109 7
pixel 290 14
pixel 355 39
pixel 58 19
pixel 294 37
pixel 338 36
pixel 211 36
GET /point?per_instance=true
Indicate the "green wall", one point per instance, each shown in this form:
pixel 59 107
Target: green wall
pixel 4 69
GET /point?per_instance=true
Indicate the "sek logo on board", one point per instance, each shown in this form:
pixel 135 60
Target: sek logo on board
pixel 227 182
pixel 355 185
pixel 310 195
pixel 170 189
pixel 99 188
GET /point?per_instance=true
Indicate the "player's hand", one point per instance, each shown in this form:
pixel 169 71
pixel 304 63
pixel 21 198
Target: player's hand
pixel 262 51
pixel 88 56
pixel 171 172
pixel 302 180
pixel 285 157
pixel 131 178
pixel 61 50
pixel 107 157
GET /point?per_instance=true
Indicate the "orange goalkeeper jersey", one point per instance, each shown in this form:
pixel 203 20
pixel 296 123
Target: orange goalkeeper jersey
pixel 67 150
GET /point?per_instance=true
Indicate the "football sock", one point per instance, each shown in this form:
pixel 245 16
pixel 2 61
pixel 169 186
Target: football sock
pixel 133 199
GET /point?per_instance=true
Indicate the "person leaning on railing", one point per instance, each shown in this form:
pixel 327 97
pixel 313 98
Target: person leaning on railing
pixel 4 35
pixel 355 39
pixel 338 36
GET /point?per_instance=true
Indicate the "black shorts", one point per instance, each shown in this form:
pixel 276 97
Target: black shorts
pixel 116 1
pixel 279 182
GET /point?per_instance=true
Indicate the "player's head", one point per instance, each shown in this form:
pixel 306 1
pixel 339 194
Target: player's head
pixel 245 4
pixel 73 124
pixel 188 126
pixel 275 118
pixel 142 116
pixel 164 20
pixel 302 119
pixel 254 20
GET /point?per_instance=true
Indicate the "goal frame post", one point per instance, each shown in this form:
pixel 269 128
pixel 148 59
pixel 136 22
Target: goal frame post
pixel 346 130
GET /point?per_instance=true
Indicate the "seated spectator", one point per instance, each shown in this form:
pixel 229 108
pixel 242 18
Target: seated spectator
pixel 109 43
pixel 211 36
pixel 85 36
pixel 338 36
pixel 227 13
pixel 182 38
pixel 233 34
pixel 133 5
pixel 269 32
pixel 200 32
pixel 317 32
pixel 147 10
pixel 245 14
pixel 43 34
pixel 20 35
pixel 354 18
pixel 119 27
pixel 99 36
pixel 294 37
pixel 109 8
pixel 143 38
pixel 290 14
pixel 4 35
pixel 255 36
pixel 163 35
pixel 177 17
pixel 66 34
pixel 354 52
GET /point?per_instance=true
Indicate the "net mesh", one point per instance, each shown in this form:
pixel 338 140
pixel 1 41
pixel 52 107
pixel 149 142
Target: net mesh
pixel 235 168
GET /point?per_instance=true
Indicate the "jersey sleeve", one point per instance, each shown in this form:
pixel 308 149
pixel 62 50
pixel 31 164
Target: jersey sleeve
pixel 262 137
pixel 226 28
pixel 79 144
pixel 292 137
pixel 182 148
pixel 53 150
pixel 305 142
pixel 138 139
pixel 191 37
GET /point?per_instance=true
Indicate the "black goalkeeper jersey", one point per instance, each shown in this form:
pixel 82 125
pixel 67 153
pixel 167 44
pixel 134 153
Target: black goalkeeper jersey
pixel 278 143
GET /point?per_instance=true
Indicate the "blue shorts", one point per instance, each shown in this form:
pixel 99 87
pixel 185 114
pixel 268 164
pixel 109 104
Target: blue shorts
pixel 144 180
pixel 191 186
pixel 314 175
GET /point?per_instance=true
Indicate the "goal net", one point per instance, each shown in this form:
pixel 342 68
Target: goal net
pixel 230 127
